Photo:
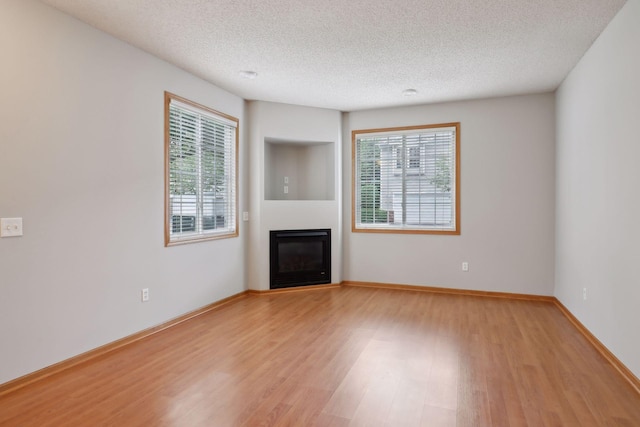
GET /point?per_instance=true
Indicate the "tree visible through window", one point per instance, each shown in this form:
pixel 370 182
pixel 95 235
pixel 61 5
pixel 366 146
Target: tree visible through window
pixel 407 179
pixel 201 147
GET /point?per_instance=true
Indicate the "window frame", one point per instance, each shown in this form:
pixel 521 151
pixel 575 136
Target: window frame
pixel 200 236
pixel 406 229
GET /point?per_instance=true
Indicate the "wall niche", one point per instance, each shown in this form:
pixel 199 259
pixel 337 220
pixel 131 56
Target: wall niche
pixel 298 170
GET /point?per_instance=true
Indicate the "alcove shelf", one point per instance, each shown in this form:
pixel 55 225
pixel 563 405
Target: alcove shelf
pixel 298 170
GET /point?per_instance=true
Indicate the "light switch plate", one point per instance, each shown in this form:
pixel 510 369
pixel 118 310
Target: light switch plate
pixel 10 227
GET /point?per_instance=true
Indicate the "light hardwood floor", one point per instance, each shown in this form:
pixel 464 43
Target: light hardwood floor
pixel 348 356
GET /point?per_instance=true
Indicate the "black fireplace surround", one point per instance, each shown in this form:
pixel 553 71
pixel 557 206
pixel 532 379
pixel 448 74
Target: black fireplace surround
pixel 300 257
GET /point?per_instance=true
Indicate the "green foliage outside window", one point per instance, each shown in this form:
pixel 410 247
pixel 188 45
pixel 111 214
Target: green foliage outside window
pixel 369 165
pixel 442 177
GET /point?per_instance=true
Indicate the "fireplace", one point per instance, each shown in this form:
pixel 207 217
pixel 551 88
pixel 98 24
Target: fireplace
pixel 300 257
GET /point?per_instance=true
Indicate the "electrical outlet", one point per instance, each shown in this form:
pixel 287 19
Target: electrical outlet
pixel 465 266
pixel 584 294
pixel 286 189
pixel 145 295
pixel 10 227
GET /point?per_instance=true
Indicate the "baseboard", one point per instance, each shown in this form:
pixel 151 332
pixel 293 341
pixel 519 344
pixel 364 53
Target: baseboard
pixel 626 373
pixel 38 375
pixel 294 289
pixel 451 291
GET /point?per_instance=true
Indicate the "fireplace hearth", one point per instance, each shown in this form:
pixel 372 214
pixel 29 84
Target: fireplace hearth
pixel 300 257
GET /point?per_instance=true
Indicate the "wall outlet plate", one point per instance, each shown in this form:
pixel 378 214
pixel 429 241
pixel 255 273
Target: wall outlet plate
pixel 10 227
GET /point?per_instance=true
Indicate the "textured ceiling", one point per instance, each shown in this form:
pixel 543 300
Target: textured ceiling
pixel 359 54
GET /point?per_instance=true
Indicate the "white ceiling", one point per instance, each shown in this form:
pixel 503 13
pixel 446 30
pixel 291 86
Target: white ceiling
pixel 359 54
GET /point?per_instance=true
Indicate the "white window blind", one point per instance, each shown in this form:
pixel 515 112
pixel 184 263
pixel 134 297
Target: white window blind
pixel 201 156
pixel 405 179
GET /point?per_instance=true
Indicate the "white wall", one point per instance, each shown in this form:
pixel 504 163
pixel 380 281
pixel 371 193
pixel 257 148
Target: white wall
pixel 317 170
pixel 598 202
pixel 81 160
pixel 507 201
pixel 282 122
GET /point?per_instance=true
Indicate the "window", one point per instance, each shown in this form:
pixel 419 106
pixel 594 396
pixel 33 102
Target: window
pixel 407 180
pixel 414 157
pixel 200 172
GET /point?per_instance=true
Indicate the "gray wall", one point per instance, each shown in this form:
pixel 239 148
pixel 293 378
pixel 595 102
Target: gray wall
pixel 598 200
pixel 81 160
pixel 507 201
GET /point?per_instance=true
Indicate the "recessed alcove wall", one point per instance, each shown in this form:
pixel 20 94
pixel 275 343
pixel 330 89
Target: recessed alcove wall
pixel 303 144
pixel 300 170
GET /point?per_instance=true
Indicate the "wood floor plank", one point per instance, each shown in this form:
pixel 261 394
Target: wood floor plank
pixel 344 357
pixel 434 416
